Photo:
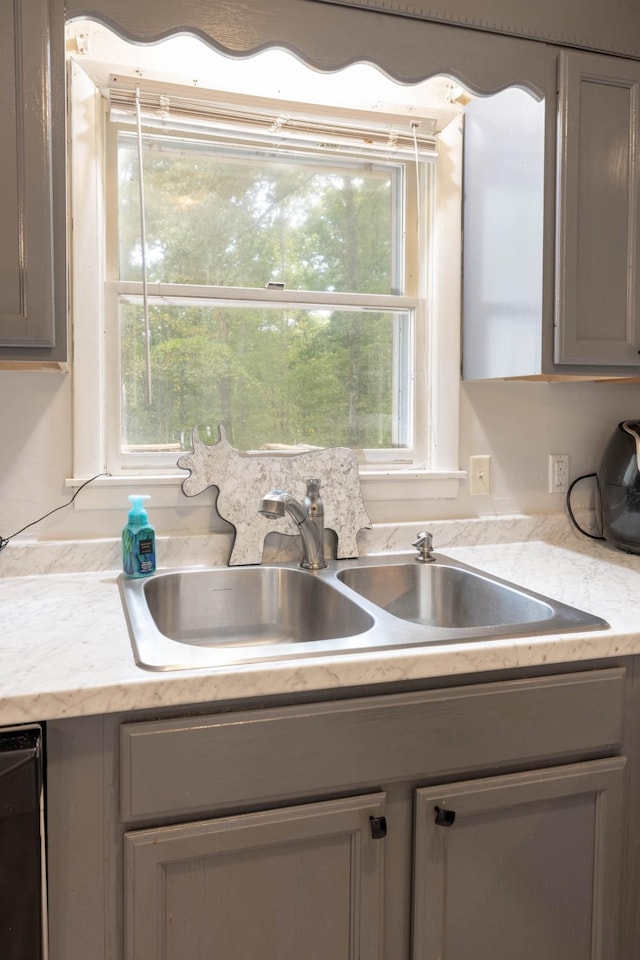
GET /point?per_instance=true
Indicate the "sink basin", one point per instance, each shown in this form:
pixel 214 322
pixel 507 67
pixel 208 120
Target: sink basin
pixel 440 595
pixel 229 616
pixel 235 615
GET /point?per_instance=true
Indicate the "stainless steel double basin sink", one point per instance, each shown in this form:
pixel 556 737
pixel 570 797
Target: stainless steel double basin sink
pixel 226 616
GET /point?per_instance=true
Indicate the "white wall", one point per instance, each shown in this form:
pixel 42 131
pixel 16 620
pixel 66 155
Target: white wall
pixel 518 424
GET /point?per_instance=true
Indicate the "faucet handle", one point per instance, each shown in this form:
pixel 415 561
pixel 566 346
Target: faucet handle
pixel 313 500
pixel 424 546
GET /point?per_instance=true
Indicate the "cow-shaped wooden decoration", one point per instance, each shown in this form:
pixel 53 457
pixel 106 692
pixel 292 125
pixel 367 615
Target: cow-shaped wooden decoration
pixel 243 479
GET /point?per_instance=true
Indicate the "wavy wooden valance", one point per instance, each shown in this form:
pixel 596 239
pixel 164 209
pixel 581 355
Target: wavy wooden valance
pixel 331 33
pixel 331 36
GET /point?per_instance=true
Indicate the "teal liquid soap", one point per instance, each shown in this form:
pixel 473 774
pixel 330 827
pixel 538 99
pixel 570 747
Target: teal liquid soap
pixel 138 541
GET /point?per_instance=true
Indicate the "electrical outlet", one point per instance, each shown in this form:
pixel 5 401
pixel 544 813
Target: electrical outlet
pixel 558 472
pixel 479 475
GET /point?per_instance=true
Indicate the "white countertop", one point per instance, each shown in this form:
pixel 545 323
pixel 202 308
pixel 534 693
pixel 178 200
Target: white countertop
pixel 65 649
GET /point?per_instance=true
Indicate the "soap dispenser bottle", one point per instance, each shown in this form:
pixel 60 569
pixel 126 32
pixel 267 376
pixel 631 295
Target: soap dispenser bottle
pixel 138 541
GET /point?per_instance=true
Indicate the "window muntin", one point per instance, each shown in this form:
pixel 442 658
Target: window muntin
pixel 295 375
pixel 220 215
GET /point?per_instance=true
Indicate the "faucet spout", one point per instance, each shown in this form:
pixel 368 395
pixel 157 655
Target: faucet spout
pixel 309 519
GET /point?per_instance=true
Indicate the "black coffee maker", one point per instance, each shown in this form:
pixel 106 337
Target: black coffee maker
pixel 619 486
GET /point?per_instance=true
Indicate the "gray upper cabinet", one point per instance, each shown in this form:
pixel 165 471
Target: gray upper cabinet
pixel 32 310
pixel 598 276
pixel 551 218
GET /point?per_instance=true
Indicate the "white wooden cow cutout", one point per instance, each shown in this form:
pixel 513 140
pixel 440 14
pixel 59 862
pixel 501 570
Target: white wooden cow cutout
pixel 243 479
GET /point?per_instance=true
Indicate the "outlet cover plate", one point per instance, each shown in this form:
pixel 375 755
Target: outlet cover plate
pixel 558 472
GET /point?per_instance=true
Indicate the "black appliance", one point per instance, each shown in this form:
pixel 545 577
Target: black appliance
pixel 619 486
pixel 22 899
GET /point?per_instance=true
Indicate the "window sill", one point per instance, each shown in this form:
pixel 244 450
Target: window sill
pixel 410 474
pixel 390 485
pixel 377 486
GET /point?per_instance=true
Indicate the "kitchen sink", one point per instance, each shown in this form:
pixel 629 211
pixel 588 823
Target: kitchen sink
pixel 224 615
pixel 228 616
pixel 440 595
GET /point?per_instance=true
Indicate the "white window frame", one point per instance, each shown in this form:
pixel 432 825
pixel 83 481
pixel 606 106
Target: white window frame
pixel 437 338
pixel 122 461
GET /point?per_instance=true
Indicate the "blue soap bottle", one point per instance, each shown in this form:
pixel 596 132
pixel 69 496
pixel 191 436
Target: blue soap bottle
pixel 138 541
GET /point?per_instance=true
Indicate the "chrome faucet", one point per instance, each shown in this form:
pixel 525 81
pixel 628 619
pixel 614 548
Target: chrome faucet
pixel 309 519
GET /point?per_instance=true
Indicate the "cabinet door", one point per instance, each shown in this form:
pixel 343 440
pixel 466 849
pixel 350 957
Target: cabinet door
pixel 26 184
pixel 597 276
pixel 303 881
pixel 529 867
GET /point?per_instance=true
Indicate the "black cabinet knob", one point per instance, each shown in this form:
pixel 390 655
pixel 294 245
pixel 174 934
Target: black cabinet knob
pixel 378 827
pixel 444 818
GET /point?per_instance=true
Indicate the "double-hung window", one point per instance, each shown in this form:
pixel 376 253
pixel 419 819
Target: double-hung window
pixel 265 265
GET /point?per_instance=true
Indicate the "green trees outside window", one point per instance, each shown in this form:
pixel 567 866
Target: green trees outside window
pixel 273 371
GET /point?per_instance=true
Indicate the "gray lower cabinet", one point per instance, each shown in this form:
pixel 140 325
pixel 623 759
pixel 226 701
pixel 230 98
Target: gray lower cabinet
pixel 524 866
pixel 471 822
pixel 302 881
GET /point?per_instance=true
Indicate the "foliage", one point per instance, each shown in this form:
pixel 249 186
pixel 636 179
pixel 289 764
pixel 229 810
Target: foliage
pixel 244 218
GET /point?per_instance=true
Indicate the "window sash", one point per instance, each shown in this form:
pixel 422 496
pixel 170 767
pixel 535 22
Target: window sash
pixel 409 384
pixel 404 230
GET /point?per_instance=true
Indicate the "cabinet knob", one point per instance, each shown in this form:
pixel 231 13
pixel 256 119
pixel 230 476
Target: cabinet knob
pixel 444 818
pixel 378 827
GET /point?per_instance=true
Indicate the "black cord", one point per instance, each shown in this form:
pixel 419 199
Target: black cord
pixel 593 536
pixel 5 540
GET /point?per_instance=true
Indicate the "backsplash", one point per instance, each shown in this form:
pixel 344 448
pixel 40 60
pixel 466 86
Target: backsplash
pixel 35 558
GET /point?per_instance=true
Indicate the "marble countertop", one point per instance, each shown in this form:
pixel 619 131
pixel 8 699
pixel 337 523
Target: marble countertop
pixel 65 649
